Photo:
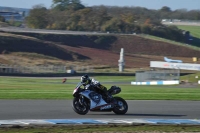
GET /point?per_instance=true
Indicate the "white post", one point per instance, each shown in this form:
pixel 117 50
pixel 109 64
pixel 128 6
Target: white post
pixel 121 61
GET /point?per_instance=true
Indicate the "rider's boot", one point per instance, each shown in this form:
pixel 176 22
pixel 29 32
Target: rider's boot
pixel 108 96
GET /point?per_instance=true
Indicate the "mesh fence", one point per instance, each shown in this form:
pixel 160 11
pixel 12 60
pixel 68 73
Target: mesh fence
pixel 43 69
pixel 155 75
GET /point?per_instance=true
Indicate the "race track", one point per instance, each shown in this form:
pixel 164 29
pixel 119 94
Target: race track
pixel 61 109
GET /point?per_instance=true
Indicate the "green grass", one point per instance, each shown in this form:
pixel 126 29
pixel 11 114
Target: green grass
pixel 14 23
pixel 103 129
pixel 169 41
pixel 194 30
pixel 194 78
pixel 38 88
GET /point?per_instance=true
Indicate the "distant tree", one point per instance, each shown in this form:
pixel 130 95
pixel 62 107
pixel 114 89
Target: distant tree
pixel 147 22
pixel 101 17
pixel 38 17
pixel 165 12
pixel 72 15
pixel 165 9
pixel 2 19
pixel 128 18
pixel 146 29
pixel 179 14
pixel 67 5
pixel 114 25
pixel 194 15
pixel 197 16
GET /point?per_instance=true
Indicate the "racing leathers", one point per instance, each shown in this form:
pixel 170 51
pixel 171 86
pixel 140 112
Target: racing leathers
pixel 97 85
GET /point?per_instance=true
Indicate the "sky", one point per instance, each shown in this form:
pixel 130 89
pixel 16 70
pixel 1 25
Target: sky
pixel 150 4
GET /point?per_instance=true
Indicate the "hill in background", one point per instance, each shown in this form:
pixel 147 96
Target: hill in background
pixel 100 51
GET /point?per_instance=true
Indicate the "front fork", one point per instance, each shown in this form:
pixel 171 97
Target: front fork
pixel 83 101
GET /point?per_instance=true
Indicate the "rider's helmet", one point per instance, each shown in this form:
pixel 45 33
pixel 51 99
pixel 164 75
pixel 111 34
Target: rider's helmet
pixel 85 79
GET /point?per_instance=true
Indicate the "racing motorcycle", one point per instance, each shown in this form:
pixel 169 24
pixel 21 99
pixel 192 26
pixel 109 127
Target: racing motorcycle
pixel 90 99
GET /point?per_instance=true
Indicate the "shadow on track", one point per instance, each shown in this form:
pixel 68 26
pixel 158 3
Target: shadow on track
pixel 145 115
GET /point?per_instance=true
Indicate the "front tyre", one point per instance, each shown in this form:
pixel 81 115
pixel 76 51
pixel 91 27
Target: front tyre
pixel 120 106
pixel 80 108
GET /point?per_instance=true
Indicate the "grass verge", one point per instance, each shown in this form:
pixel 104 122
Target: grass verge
pixel 38 88
pixel 102 129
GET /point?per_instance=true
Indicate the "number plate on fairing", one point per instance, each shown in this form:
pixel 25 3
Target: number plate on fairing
pixel 106 107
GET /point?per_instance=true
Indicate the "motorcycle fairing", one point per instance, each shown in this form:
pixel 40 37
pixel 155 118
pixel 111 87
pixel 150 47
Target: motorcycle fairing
pixel 96 99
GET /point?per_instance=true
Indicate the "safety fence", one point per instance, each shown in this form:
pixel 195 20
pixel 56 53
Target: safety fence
pixel 44 69
pixel 157 75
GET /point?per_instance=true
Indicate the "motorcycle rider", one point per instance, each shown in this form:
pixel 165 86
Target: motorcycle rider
pixel 86 80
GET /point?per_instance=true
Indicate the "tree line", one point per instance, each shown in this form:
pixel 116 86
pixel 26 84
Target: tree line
pixel 73 15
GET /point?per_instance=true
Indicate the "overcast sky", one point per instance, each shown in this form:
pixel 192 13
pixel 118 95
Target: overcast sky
pixel 150 4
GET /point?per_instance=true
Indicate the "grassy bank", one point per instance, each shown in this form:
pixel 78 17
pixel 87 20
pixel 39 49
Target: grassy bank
pixel 194 30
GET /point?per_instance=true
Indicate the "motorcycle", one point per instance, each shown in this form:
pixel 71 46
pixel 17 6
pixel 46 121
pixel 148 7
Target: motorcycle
pixel 89 99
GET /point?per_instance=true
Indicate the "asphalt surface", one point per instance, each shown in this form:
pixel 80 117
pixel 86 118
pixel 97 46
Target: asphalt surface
pixel 61 109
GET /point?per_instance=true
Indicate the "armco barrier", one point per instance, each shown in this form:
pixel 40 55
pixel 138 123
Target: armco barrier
pixel 64 74
pixel 174 82
pixel 99 121
pixel 71 75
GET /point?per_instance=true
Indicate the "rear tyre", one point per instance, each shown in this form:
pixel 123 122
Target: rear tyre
pixel 120 106
pixel 80 108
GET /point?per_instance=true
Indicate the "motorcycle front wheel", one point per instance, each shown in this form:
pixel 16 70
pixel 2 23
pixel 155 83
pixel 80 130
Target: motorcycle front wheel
pixel 80 108
pixel 120 106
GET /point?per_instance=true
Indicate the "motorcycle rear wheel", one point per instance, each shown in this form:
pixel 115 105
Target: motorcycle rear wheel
pixel 79 108
pixel 121 106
